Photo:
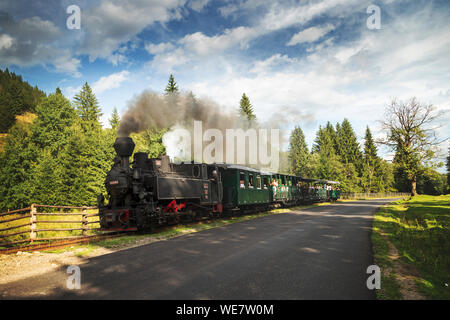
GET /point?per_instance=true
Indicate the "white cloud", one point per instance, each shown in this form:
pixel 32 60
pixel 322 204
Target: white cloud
pixel 34 41
pixel 115 22
pixel 202 45
pixel 110 82
pixel 6 41
pixel 276 61
pixel 198 46
pixel 283 16
pixel 311 34
pixel 197 5
pixel 159 48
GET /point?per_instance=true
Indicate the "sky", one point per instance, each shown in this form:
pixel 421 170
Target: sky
pixel 313 61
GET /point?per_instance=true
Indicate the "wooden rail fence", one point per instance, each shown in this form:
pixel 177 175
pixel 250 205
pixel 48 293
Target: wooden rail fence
pixel 32 228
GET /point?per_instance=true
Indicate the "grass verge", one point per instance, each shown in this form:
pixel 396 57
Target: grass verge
pixel 411 242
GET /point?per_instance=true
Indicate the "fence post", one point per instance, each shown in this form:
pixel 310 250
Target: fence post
pixel 33 221
pixel 84 222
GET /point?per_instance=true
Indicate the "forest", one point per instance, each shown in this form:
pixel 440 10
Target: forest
pixel 55 151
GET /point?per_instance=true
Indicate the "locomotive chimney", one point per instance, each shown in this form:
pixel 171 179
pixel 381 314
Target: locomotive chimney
pixel 124 147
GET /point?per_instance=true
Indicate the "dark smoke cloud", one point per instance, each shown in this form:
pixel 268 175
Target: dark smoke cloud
pixel 151 110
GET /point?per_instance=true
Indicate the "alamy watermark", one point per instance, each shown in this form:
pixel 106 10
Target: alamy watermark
pixel 373 22
pixel 73 22
pixel 374 280
pixel 74 280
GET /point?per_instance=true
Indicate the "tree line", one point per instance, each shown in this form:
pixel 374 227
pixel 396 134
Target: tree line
pixel 337 155
pixel 16 98
pixel 57 152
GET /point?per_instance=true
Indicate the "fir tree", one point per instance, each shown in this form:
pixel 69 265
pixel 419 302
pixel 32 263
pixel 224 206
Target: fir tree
pixel 323 143
pixel 370 149
pixel 448 170
pixel 87 105
pixel 349 146
pixel 371 167
pixel 246 108
pixel 298 153
pixel 32 173
pixel 171 87
pixel 115 119
pixel 16 98
pixel 55 115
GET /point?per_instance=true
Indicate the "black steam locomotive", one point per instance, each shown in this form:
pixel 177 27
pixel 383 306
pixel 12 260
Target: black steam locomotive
pixel 154 192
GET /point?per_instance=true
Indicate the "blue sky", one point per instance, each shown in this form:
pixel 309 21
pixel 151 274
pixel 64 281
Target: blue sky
pixel 316 61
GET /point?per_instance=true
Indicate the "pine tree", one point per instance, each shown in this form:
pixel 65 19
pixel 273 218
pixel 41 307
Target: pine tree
pixel 349 146
pixel 246 108
pixel 323 143
pixel 115 119
pixel 55 115
pixel 87 105
pixel 16 98
pixel 372 175
pixel 298 153
pixel 370 149
pixel 448 170
pixel 15 162
pixel 32 164
pixel 171 87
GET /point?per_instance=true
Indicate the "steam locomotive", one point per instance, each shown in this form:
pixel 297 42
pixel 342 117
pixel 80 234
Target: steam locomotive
pixel 155 192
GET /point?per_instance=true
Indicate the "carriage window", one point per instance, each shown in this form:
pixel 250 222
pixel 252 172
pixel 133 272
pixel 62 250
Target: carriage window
pixel 250 180
pixel 265 182
pixel 242 179
pixel 258 182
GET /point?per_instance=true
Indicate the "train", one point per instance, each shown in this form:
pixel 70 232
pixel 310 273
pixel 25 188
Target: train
pixel 152 192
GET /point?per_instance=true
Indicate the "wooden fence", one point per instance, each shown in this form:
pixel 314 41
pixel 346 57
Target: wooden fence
pixel 31 229
pixel 368 195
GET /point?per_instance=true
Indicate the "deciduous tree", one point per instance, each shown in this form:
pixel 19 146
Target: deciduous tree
pixel 410 133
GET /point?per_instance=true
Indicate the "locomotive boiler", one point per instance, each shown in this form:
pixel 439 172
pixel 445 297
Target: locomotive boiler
pixel 151 192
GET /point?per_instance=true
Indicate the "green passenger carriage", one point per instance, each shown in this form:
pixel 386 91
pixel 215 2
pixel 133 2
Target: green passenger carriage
pixel 245 188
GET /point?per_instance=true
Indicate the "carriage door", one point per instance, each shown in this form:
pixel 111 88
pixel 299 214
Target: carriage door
pixel 216 184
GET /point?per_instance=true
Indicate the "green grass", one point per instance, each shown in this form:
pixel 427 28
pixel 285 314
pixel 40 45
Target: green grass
pixel 420 230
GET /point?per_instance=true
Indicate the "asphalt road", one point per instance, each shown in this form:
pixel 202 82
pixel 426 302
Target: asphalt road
pixel 317 253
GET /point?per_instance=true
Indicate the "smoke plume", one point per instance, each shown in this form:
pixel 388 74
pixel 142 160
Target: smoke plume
pixel 154 111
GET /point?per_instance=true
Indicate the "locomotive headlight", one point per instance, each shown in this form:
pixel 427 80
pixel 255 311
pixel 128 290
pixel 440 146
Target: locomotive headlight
pixel 142 195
